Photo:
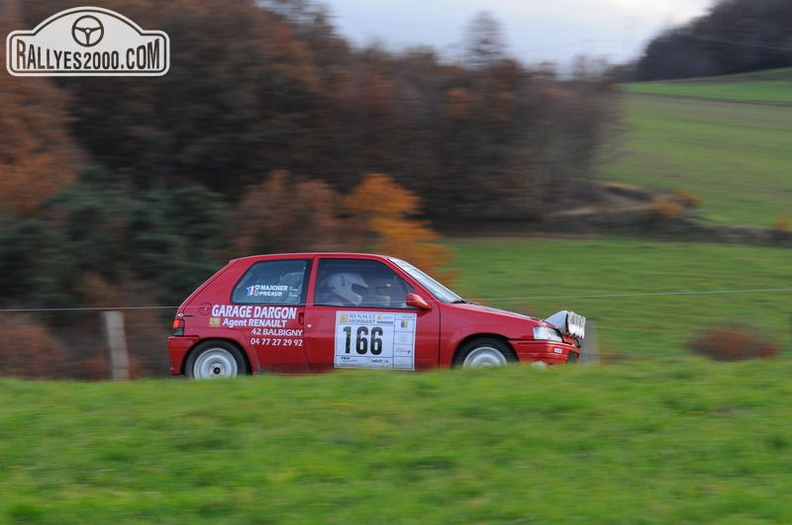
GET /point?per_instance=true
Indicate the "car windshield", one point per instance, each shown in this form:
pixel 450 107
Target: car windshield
pixel 442 293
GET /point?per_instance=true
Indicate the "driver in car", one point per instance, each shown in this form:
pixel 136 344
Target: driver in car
pixel 344 289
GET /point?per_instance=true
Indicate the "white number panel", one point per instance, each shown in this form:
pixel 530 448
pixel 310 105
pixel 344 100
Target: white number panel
pixel 375 340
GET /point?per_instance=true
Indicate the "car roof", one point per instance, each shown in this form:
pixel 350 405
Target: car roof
pixel 311 255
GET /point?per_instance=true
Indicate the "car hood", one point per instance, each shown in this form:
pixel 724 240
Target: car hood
pixel 488 310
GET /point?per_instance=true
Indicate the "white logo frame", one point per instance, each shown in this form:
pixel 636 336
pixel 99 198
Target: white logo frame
pixel 122 48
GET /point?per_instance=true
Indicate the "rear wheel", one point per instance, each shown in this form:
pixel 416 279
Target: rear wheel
pixel 215 359
pixel 486 352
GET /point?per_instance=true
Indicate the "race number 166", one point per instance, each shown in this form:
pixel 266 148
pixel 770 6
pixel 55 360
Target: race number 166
pixel 362 340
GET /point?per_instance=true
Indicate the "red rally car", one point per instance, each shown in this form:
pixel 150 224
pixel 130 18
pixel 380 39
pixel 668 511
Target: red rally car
pixel 312 312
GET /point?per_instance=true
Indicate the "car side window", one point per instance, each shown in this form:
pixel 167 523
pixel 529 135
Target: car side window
pixel 360 283
pixel 272 282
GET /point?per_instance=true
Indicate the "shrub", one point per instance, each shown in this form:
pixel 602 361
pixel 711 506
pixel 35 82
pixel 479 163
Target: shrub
pixel 665 208
pixel 733 343
pixel 780 224
pixel 386 211
pixel 33 352
pixel 688 199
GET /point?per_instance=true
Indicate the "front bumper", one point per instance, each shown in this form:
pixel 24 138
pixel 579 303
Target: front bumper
pixel 548 352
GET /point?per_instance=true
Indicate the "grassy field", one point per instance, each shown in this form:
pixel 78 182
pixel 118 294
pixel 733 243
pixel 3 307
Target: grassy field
pixel 763 87
pixel 628 288
pixel 765 92
pixel 649 443
pixel 726 139
pixel 662 439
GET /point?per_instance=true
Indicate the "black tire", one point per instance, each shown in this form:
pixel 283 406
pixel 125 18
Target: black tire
pixel 215 359
pixel 484 352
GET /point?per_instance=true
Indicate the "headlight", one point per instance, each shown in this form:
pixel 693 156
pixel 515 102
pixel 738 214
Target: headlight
pixel 569 323
pixel 577 325
pixel 545 333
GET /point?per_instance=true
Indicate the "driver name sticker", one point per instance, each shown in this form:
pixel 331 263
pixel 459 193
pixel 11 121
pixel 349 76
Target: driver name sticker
pixel 375 340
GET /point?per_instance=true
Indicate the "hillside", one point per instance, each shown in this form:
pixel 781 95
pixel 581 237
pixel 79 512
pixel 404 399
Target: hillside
pixel 772 86
pixel 646 299
pixel 726 139
pixel 734 36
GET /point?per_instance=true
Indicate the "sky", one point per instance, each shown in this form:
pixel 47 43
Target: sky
pixel 535 30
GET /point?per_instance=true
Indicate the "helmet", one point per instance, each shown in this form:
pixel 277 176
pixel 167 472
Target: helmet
pixel 342 284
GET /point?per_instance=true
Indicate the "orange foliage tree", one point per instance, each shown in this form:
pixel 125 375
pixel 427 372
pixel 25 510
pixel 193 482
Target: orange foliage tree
pixel 385 211
pixel 37 154
pixel 284 213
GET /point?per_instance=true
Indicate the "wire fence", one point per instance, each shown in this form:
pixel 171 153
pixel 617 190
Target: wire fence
pixel 76 342
pixel 640 294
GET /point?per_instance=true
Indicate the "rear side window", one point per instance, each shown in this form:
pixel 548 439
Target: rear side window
pixel 273 282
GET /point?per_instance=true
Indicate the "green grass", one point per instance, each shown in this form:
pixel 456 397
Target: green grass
pixel 768 86
pixel 727 141
pixel 762 87
pixel 765 92
pixel 649 443
pixel 621 286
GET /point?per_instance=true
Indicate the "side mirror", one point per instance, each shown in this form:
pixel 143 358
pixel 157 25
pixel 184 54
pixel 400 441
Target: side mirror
pixel 416 301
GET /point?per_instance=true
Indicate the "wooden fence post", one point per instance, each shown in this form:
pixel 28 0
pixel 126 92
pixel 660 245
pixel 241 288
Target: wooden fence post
pixel 590 349
pixel 116 342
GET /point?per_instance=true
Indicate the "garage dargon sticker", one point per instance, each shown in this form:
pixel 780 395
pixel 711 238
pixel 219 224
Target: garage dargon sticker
pixel 234 316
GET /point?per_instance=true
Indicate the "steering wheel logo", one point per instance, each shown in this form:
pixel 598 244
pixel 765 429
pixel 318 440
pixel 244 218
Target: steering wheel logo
pixel 87 31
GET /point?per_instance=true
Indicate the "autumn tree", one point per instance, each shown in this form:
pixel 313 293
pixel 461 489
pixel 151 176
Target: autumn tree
pixel 385 211
pixel 485 44
pixel 259 86
pixel 240 98
pixel 284 213
pixel 37 154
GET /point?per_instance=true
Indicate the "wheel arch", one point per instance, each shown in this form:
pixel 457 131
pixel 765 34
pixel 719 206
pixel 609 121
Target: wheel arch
pixel 483 335
pixel 248 361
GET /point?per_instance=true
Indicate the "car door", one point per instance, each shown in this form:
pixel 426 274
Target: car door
pixel 269 300
pixel 358 318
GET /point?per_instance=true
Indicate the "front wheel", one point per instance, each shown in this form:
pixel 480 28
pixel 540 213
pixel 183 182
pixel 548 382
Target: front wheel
pixel 215 359
pixel 484 353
